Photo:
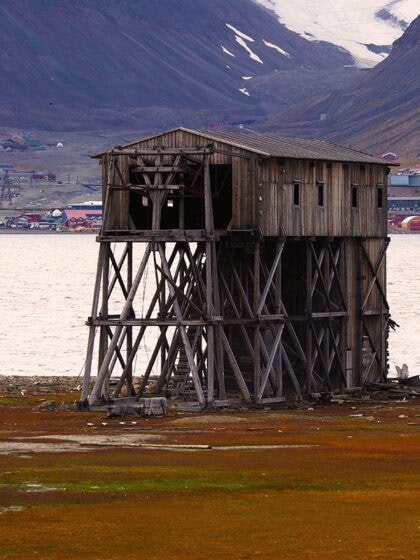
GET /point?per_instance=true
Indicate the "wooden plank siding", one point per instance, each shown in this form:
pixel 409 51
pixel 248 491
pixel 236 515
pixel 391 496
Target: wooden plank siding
pixel 336 217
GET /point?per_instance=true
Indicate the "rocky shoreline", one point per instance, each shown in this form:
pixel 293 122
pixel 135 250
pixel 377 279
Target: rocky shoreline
pixel 39 385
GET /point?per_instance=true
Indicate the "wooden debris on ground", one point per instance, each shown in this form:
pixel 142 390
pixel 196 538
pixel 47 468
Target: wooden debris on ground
pixel 154 406
pixel 394 389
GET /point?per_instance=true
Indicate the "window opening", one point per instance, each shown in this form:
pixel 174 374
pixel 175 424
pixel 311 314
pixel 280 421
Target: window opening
pixel 296 193
pixel 380 197
pixel 320 193
pixel 354 195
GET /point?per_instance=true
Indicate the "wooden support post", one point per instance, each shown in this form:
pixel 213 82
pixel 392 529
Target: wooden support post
pixel 278 287
pixel 152 360
pixel 129 337
pixel 373 308
pixel 270 363
pixel 308 310
pixel 374 269
pixel 103 335
pixel 256 310
pixel 210 264
pixel 106 359
pixel 117 272
pixel 182 330
pixel 235 368
pixel 92 327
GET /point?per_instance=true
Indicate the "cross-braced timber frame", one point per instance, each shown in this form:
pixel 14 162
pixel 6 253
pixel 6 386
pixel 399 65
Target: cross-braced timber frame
pixel 225 315
pixel 374 312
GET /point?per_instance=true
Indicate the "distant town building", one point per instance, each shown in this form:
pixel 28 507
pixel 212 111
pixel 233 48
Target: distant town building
pixel 405 178
pixel 389 156
pixel 411 223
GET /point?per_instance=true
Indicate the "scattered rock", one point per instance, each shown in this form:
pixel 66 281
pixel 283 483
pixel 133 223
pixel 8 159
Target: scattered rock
pixel 53 406
pixel 38 385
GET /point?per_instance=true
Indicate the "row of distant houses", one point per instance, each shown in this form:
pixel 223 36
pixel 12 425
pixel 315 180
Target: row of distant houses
pixel 404 198
pixel 77 218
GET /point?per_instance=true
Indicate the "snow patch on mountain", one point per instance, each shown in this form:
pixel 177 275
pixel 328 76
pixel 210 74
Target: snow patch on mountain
pixel 241 39
pixel 226 51
pixel 365 28
pixel 277 48
pixel 239 33
pixel 252 55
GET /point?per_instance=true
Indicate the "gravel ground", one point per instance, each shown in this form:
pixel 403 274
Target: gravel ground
pixel 38 385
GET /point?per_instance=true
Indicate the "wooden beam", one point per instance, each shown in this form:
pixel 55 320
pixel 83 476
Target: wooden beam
pixel 374 270
pixel 103 369
pixel 235 368
pixel 92 328
pixel 160 150
pixel 269 365
pixel 157 169
pixel 270 277
pixel 187 346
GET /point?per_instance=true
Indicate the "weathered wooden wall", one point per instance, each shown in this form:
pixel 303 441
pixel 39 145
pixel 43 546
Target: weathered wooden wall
pixel 336 217
pixel 263 191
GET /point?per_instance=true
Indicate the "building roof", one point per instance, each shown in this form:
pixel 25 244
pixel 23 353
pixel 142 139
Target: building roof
pixel 277 146
pixel 78 213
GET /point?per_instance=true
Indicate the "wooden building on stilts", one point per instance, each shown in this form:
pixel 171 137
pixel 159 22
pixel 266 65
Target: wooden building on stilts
pixel 237 267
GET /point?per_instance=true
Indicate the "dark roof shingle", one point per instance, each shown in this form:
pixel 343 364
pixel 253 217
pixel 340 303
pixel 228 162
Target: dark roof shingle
pixel 299 148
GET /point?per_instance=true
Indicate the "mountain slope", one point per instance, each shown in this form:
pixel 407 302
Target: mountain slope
pixel 365 28
pixel 130 65
pixel 91 63
pixel 380 110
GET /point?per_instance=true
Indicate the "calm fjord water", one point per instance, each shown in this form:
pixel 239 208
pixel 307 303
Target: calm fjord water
pixel 46 288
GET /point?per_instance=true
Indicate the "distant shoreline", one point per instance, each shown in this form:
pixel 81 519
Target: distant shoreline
pixel 44 232
pixel 396 231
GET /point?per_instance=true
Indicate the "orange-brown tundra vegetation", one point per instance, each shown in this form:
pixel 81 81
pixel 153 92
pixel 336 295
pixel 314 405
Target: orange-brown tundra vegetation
pixel 336 481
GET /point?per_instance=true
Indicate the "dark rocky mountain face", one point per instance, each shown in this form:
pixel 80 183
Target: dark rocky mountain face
pixel 143 65
pixel 378 110
pixel 91 64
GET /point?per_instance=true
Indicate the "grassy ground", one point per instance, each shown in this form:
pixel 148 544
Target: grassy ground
pixel 328 482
